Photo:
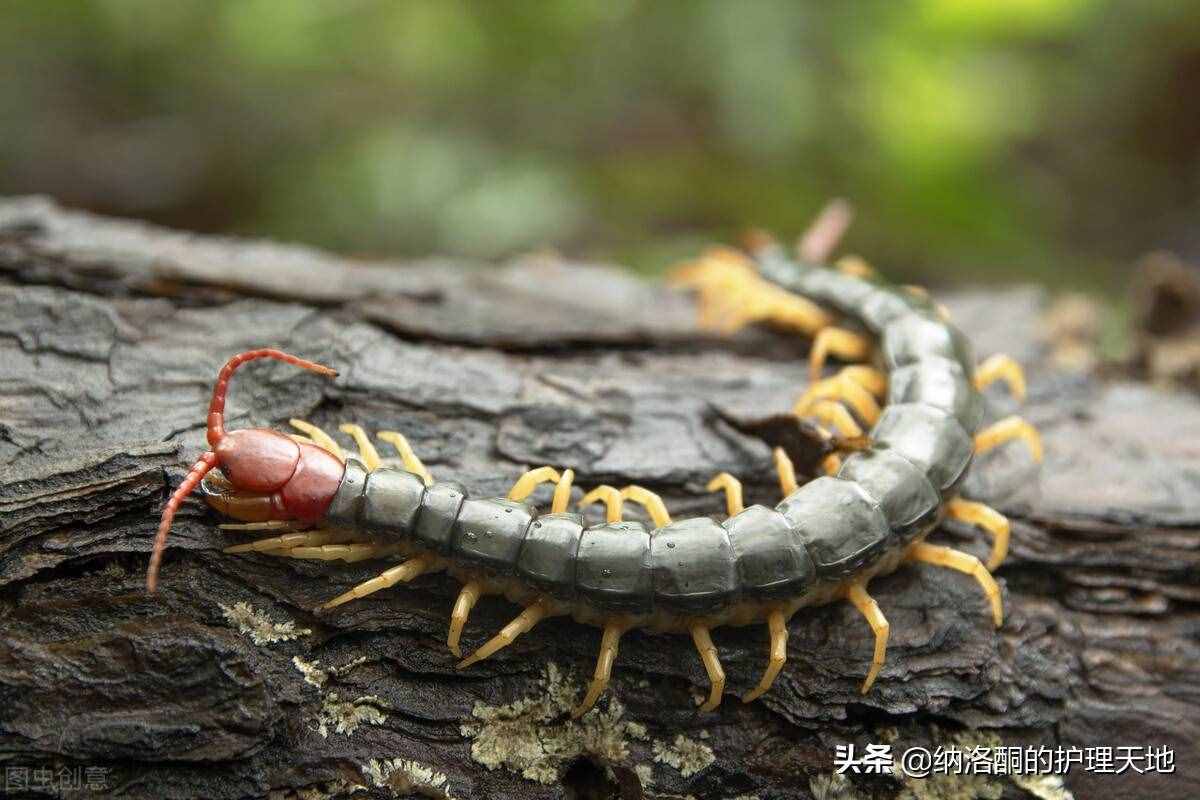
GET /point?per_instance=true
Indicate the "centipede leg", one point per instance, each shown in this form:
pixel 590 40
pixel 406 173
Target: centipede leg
pixel 467 598
pixel 857 594
pixel 987 518
pixel 842 388
pixel 962 562
pixel 562 492
pixel 831 412
pixel 733 492
pixel 532 479
pixel 319 436
pixel 1006 430
pixel 523 623
pixel 267 525
pixel 399 574
pixel 712 665
pixel 871 379
pixel 366 450
pixel 609 641
pixel 349 552
pixel 1001 367
pixel 407 456
pixel 732 294
pixel 777 626
pixel 846 345
pixel 284 542
pixel 650 501
pixel 786 470
pixel 614 501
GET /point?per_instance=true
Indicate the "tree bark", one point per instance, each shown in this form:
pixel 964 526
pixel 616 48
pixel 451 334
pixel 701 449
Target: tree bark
pixel 227 684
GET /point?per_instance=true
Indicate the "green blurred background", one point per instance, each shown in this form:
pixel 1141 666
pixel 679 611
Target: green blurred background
pixel 1054 140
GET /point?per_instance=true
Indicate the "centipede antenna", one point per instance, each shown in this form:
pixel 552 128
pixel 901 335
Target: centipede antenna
pixel 216 409
pixel 201 468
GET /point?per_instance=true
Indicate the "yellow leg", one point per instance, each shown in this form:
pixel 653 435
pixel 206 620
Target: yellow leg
pixel 871 379
pixel 399 574
pixel 609 642
pixel 786 470
pixel 319 436
pixel 776 624
pixel 650 501
pixel 467 598
pixel 1006 430
pixel 856 266
pixel 712 665
pixel 612 498
pixel 284 542
pixel 715 265
pixel 366 450
pixel 987 518
pixel 524 622
pixel 407 456
pixel 759 301
pixel 733 492
pixel 562 492
pixel 963 562
pixel 831 412
pixel 831 464
pixel 531 480
pixel 348 552
pixel 269 525
pixel 1001 367
pixel 844 344
pixel 843 388
pixel 732 295
pixel 856 593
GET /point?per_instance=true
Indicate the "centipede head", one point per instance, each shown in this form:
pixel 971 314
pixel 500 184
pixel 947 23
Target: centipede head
pixel 254 463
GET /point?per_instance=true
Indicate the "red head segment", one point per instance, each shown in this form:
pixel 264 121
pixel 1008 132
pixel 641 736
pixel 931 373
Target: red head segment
pixel 272 475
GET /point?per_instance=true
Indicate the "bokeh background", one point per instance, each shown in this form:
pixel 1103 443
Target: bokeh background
pixel 1054 140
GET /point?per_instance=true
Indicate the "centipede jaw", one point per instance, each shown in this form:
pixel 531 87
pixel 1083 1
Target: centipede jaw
pixel 256 460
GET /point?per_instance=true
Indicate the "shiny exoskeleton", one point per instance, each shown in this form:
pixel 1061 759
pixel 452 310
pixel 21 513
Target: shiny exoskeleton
pixel 824 541
pixel 883 497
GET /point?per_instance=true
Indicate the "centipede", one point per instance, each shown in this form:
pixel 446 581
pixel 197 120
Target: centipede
pixel 909 396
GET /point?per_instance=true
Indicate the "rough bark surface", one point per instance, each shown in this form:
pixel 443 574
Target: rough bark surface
pixel 228 685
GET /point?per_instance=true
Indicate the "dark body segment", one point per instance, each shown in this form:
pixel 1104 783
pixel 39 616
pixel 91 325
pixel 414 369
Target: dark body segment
pixel 941 383
pixel 909 501
pixel 391 502
pixel 884 306
pixel 772 560
pixel 827 530
pixel 930 438
pixel 345 509
pixel 833 288
pixel 547 558
pixel 439 512
pixel 916 337
pixel 693 566
pixel 612 570
pixel 842 526
pixel 489 533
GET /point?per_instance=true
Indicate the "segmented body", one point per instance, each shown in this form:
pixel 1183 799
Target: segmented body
pixel 823 542
pixel 823 534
